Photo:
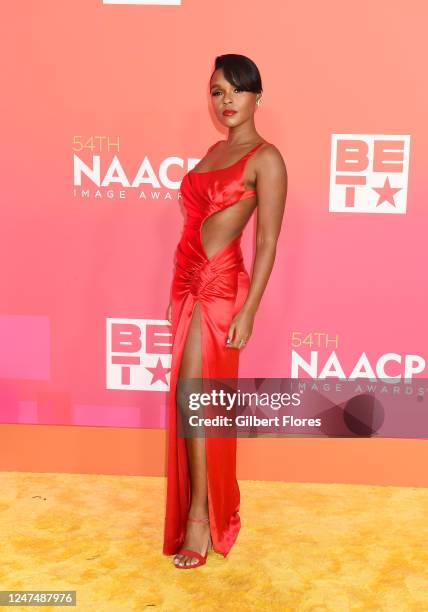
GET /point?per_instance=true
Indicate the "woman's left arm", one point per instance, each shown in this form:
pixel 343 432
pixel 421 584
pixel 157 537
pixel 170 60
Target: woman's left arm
pixel 271 186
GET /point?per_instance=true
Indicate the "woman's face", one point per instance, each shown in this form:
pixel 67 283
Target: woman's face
pixel 227 98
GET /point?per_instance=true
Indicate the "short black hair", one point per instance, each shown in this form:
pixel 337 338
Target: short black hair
pixel 240 71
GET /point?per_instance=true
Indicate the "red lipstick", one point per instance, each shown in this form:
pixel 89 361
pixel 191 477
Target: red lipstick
pixel 229 113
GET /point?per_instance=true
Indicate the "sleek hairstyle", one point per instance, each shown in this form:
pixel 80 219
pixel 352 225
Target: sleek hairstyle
pixel 240 71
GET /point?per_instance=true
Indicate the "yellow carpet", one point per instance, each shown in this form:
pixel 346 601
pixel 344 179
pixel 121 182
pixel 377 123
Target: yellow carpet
pixel 301 547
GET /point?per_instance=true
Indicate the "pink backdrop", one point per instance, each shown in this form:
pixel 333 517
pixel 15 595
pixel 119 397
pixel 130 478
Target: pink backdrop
pixel 104 108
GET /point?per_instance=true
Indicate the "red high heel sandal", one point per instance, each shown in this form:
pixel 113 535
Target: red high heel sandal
pixel 193 553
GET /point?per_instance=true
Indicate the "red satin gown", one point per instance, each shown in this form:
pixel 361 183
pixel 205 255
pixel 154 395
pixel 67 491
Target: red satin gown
pixel 220 285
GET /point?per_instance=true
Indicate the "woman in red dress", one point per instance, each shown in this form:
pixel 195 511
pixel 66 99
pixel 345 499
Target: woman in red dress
pixel 214 303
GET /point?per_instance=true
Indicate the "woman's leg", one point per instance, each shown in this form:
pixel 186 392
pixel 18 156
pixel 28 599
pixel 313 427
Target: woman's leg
pixel 197 534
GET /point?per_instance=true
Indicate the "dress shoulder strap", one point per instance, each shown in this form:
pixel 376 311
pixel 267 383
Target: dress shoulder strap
pixel 253 150
pixel 250 192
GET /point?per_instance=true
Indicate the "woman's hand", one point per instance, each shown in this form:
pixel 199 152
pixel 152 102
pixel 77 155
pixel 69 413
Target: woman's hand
pixel 169 313
pixel 240 329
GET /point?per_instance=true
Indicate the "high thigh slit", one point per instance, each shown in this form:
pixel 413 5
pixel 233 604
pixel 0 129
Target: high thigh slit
pixel 218 285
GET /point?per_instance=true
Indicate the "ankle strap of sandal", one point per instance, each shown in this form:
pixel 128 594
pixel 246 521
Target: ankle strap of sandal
pixel 202 520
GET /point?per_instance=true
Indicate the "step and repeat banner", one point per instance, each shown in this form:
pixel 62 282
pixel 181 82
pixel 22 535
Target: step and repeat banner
pixel 105 107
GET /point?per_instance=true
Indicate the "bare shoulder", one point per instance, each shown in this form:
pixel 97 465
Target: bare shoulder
pixel 270 160
pixel 269 153
pixel 211 147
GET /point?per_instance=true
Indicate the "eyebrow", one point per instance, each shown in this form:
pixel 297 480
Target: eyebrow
pixel 215 85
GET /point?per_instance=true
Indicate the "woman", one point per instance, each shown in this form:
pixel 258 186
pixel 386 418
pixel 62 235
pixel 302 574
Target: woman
pixel 214 303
